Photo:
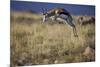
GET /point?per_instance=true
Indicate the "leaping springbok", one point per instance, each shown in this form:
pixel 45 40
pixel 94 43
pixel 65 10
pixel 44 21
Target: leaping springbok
pixel 56 13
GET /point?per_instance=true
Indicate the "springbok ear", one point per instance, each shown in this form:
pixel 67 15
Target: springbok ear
pixel 44 10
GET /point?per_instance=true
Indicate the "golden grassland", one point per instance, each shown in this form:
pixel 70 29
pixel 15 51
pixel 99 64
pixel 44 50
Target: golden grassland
pixel 34 42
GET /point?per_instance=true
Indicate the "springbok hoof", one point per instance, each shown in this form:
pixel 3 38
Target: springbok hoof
pixel 75 35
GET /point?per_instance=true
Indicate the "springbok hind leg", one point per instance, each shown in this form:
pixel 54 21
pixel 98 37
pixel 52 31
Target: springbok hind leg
pixel 75 32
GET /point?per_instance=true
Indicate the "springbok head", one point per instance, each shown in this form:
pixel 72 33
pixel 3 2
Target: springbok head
pixel 45 14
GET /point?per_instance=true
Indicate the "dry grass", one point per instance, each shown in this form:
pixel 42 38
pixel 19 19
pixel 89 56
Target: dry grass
pixel 48 43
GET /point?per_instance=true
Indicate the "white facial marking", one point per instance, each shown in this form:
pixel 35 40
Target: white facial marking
pixel 44 18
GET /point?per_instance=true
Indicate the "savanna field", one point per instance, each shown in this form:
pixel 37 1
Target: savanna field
pixel 35 43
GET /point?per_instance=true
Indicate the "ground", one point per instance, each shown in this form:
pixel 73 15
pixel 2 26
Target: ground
pixel 34 42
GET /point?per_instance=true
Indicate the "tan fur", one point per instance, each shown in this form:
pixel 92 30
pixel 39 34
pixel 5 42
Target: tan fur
pixel 56 11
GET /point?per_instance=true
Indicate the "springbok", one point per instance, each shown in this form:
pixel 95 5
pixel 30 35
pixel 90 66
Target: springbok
pixel 56 13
